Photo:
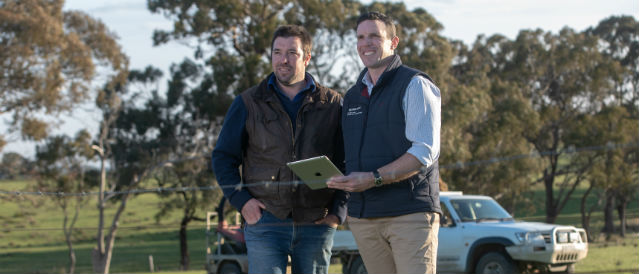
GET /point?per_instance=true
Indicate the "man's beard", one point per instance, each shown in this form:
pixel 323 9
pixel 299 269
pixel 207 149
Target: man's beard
pixel 285 80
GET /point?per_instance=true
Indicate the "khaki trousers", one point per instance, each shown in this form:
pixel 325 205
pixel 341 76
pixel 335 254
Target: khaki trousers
pixel 405 244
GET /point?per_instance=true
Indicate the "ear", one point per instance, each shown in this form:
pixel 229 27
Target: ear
pixel 307 59
pixel 394 42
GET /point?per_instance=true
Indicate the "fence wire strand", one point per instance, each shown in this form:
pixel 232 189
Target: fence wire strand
pixel 459 165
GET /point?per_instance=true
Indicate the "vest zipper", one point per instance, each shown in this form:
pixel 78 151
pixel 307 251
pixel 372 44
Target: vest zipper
pixel 361 144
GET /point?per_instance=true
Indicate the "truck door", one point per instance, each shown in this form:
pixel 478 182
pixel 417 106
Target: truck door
pixel 451 251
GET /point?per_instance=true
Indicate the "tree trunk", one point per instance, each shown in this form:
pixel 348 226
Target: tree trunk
pixel 621 210
pixel 609 226
pixel 98 255
pixel 551 209
pixel 98 260
pixel 585 216
pixel 184 247
pixel 72 260
pixel 68 232
pixel 101 259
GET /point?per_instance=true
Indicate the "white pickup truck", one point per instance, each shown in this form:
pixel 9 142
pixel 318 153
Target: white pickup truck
pixel 478 236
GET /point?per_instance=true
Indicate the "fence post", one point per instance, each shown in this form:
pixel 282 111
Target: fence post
pixel 151 266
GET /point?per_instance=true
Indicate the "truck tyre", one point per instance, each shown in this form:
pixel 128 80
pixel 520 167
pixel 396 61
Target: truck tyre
pixel 230 268
pixel 357 266
pixel 495 263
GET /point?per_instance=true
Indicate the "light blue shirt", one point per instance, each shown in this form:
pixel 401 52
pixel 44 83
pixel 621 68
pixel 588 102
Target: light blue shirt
pixel 422 113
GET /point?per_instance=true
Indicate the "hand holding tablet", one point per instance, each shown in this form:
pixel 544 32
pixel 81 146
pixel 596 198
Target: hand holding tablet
pixel 315 171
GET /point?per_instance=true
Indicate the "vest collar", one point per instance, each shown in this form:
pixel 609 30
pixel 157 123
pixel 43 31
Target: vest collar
pixel 388 73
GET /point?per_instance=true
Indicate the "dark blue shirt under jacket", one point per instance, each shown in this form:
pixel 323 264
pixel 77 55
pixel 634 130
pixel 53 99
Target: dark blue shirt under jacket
pixel 292 106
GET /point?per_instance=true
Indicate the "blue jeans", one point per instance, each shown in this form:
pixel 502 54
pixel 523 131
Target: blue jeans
pixel 270 241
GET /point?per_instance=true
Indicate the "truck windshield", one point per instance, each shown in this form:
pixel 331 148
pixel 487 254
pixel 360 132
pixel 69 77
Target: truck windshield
pixel 477 210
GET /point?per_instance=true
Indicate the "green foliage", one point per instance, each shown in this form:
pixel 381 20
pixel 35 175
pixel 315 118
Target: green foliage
pixel 14 166
pixel 546 93
pixel 61 163
pixel 49 57
pixel 177 132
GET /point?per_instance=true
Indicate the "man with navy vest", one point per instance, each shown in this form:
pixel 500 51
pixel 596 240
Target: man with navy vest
pixel 391 124
pixel 287 117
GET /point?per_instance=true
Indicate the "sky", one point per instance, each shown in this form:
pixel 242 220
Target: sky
pixel 462 20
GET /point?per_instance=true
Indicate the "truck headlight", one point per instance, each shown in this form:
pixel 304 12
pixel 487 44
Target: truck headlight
pixel 562 237
pixel 536 239
pixel 521 237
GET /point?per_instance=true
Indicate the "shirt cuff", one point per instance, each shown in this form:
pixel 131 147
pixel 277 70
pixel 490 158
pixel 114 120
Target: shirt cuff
pixel 422 153
pixel 239 199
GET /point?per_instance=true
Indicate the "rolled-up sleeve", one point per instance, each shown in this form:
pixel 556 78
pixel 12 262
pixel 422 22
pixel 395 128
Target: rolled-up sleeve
pixel 422 110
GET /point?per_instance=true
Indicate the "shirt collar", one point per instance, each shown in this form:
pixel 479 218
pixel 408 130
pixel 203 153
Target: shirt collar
pixel 366 80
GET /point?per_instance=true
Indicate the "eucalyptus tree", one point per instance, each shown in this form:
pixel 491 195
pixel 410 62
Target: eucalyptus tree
pixel 234 37
pixel 610 172
pixel 48 60
pixel 129 150
pixel 184 123
pixel 14 166
pixel 486 115
pixel 619 42
pixel 61 166
pixel 559 76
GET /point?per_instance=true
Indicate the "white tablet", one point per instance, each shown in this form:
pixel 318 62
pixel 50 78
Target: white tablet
pixel 315 171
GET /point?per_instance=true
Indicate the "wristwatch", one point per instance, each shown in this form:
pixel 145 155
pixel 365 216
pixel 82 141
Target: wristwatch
pixel 378 179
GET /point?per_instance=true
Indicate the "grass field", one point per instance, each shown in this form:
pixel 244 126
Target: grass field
pixel 31 239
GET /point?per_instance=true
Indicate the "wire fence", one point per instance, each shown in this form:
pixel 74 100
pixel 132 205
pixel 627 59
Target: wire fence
pixel 458 165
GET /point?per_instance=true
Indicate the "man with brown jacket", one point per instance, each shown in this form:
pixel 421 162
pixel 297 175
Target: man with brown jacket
pixel 287 117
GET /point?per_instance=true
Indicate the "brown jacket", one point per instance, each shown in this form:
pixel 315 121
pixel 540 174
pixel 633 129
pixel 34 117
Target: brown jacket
pixel 272 143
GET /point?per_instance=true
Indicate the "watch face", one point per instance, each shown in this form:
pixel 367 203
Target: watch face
pixel 378 178
pixel 378 181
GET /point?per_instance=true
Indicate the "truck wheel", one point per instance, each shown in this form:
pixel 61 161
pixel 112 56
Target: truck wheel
pixel 230 268
pixel 357 266
pixel 495 263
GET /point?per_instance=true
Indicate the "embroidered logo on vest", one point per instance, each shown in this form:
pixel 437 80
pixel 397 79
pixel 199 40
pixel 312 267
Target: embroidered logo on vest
pixel 354 111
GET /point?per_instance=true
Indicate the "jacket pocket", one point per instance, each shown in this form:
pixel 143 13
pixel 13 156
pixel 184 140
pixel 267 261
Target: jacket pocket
pixel 262 181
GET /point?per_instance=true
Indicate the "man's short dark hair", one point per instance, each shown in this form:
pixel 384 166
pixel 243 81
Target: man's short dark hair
pixel 387 20
pixel 294 31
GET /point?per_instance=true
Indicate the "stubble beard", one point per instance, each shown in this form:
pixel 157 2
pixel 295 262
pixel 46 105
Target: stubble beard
pixel 286 80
